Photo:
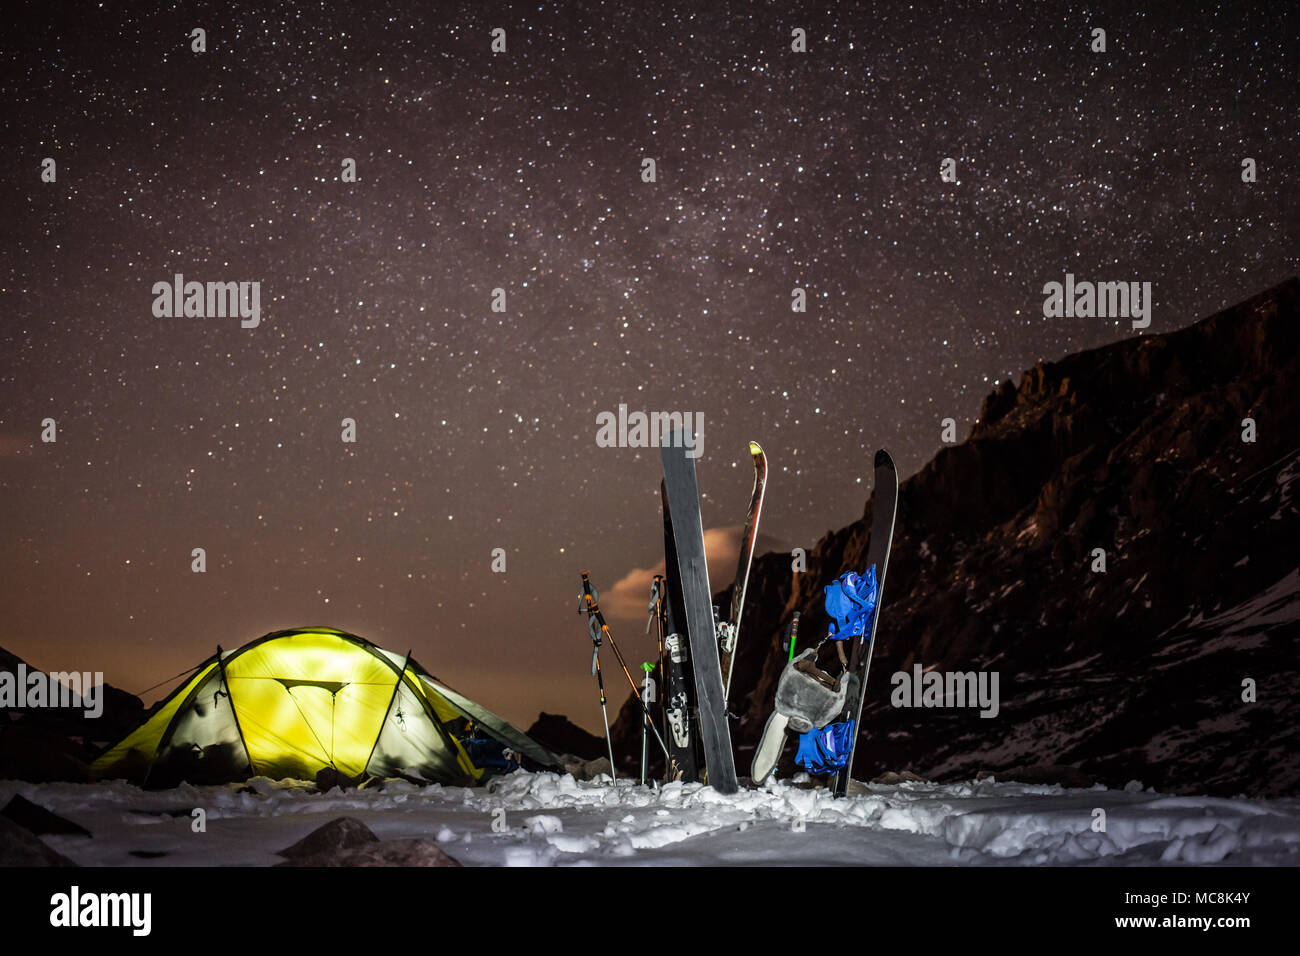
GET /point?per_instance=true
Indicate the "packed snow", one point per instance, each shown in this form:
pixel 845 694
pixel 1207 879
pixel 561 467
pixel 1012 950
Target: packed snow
pixel 546 819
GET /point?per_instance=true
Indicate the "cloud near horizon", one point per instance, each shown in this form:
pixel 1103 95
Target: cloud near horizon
pixel 626 600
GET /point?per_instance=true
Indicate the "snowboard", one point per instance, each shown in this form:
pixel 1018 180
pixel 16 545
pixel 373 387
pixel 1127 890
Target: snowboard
pixel 882 538
pixel 807 699
pixel 729 630
pixel 772 741
pixel 679 697
pixel 697 603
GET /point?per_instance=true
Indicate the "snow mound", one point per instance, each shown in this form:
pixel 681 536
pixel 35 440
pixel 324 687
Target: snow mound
pixel 546 819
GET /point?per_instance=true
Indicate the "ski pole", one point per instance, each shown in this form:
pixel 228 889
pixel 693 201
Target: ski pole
pixel 594 618
pixel 600 683
pixel 604 714
pixel 794 633
pixel 648 692
pixel 658 614
pixel 655 610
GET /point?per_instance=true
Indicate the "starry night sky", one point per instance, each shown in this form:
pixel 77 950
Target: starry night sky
pixel 521 170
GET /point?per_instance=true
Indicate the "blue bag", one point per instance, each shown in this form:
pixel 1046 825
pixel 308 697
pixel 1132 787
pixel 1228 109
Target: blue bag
pixel 826 750
pixel 487 753
pixel 850 602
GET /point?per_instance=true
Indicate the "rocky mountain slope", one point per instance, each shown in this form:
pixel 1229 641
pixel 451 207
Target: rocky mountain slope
pixel 57 743
pixel 1139 672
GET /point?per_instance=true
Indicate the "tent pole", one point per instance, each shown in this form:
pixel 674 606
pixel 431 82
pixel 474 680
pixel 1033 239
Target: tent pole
pixel 252 771
pixel 400 674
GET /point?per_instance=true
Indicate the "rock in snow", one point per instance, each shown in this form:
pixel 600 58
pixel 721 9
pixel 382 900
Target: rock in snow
pixel 18 847
pixel 339 835
pixel 381 853
pixel 349 842
pixel 37 820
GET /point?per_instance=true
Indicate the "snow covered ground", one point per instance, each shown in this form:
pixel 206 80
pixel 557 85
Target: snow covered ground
pixel 552 820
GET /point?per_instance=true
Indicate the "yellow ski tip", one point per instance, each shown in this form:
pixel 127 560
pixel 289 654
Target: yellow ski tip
pixel 755 448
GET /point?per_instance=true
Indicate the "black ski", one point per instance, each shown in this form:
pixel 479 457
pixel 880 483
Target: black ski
pixel 729 630
pixel 679 698
pixel 882 537
pixel 688 536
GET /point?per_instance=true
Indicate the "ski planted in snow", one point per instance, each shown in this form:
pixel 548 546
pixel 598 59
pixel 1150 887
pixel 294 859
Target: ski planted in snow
pixel 882 538
pixel 729 630
pixel 697 602
pixel 679 696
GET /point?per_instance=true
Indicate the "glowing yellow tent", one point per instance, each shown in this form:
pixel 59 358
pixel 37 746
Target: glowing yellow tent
pixel 295 702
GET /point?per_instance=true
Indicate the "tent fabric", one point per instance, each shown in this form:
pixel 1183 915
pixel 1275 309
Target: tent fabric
pixel 494 726
pixel 295 702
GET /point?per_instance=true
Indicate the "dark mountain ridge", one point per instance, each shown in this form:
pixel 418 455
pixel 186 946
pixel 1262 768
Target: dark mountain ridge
pixel 48 743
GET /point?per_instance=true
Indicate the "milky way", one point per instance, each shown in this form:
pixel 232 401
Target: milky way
pixel 522 170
